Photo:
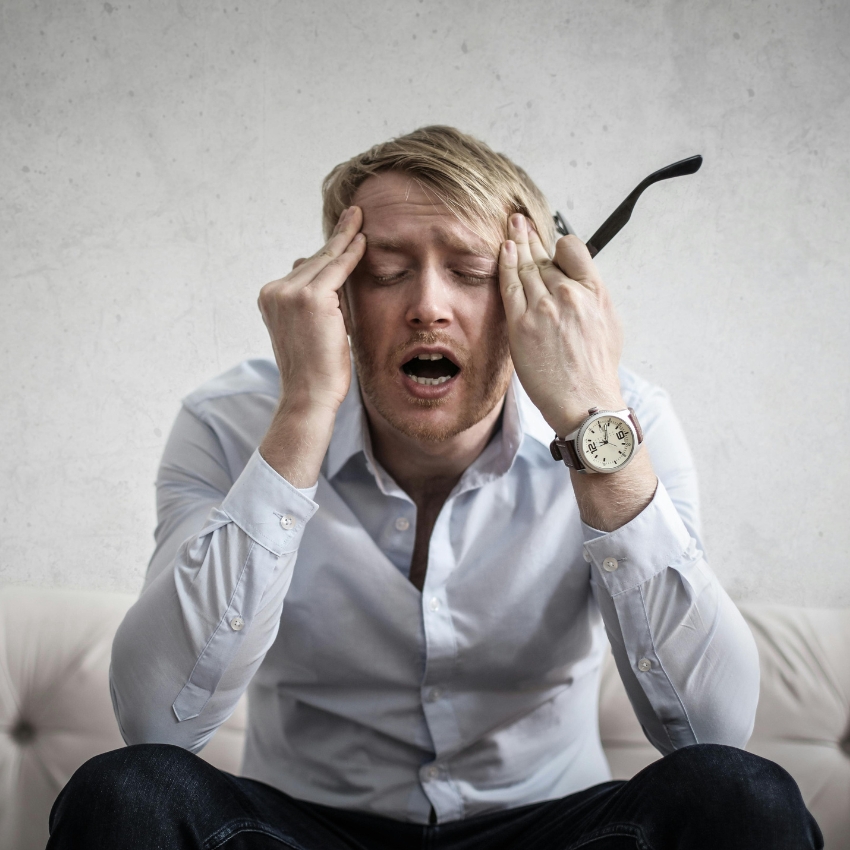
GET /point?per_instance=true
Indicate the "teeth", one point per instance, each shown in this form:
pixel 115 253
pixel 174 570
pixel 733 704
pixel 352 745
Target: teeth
pixel 430 382
pixel 430 357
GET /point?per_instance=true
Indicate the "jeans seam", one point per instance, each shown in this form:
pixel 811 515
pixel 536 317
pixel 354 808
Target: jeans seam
pixel 619 830
pixel 229 830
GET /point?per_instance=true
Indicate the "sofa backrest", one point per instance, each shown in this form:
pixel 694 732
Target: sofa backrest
pixel 55 710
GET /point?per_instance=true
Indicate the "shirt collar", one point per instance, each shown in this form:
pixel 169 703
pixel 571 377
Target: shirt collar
pixel 520 417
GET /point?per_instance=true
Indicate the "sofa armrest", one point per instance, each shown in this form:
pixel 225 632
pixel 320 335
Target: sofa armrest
pixel 55 710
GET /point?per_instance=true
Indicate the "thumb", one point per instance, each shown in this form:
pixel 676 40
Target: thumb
pixel 574 260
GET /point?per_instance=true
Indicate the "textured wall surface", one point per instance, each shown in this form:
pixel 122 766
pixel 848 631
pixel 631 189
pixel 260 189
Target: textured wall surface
pixel 159 161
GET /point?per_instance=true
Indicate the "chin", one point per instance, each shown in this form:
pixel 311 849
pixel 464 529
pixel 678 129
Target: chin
pixel 425 429
pixel 432 420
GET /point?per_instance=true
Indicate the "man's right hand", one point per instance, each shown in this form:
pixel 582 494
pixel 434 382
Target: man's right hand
pixel 305 323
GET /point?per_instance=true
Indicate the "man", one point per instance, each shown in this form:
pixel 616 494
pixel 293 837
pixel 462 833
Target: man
pixel 427 675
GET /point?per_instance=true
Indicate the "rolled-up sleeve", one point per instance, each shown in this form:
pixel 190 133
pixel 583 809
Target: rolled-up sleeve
pixel 210 610
pixel 685 654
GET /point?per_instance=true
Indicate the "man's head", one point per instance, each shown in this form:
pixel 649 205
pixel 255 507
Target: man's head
pixel 423 307
pixel 476 184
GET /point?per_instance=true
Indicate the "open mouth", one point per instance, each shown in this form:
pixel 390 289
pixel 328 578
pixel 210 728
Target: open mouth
pixel 430 370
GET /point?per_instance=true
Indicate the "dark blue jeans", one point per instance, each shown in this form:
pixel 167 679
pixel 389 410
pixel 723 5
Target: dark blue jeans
pixel 159 797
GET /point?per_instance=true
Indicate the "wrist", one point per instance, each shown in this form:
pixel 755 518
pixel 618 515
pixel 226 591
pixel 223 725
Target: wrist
pixel 297 440
pixel 608 502
pixel 310 402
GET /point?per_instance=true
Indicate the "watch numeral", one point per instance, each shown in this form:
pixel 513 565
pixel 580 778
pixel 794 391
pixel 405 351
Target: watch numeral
pixel 591 447
pixel 621 434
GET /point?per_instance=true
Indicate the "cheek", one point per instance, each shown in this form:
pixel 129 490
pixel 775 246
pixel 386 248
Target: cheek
pixel 371 313
pixel 487 315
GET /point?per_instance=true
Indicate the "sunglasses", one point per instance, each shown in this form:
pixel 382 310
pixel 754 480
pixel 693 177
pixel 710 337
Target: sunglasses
pixel 618 219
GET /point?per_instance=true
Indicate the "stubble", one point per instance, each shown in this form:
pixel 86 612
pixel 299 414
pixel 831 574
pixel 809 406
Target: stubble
pixel 486 375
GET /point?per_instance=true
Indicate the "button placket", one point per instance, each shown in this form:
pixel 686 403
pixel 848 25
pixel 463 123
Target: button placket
pixel 441 658
pixel 434 694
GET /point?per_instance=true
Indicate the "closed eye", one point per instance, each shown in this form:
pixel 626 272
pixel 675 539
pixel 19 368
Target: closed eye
pixel 475 278
pixel 386 279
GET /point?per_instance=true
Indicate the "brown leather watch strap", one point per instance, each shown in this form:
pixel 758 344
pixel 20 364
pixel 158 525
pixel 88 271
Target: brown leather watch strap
pixel 565 450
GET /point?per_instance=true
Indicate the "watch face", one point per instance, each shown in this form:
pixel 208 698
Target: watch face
pixel 607 443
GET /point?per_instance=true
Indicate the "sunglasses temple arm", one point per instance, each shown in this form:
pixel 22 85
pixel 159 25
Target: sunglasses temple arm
pixel 614 223
pixel 620 217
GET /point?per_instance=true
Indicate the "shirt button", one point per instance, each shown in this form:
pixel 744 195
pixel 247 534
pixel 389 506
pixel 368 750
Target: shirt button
pixel 434 604
pixel 287 522
pixel 237 624
pixel 644 664
pixel 402 523
pixel 434 694
pixel 586 555
pixel 433 772
pixel 609 565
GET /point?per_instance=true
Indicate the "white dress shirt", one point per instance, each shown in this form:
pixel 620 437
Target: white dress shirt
pixel 477 694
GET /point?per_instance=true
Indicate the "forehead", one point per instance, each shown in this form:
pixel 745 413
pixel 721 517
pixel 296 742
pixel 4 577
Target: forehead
pixel 398 210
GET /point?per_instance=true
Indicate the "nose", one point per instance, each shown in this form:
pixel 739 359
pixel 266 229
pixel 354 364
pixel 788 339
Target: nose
pixel 429 306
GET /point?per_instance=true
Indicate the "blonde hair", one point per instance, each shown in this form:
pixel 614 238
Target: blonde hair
pixel 481 187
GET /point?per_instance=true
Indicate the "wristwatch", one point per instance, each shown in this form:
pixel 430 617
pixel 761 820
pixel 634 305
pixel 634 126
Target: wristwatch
pixel 605 442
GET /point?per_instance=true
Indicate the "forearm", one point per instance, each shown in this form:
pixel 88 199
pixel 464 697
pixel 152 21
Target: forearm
pixel 607 502
pixel 189 647
pixel 684 652
pixel 297 440
pixel 178 665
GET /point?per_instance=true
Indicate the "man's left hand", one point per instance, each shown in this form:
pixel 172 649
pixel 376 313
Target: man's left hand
pixel 565 337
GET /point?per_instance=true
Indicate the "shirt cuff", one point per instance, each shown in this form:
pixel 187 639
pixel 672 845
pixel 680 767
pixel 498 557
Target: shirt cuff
pixel 268 508
pixel 632 554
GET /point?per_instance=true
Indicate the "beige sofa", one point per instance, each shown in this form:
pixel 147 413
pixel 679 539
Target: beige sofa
pixel 55 710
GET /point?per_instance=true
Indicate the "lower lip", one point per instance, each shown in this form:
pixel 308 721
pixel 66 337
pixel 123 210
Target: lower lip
pixel 428 390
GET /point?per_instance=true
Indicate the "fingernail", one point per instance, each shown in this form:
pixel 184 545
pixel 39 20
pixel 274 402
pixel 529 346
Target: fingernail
pixel 344 215
pixel 359 238
pixel 510 248
pixel 518 221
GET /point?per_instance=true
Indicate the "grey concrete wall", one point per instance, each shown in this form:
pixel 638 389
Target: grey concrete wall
pixel 159 161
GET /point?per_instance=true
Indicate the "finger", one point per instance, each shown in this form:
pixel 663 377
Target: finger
pixel 299 262
pixel 336 272
pixel 513 292
pixel 527 269
pixel 347 227
pixel 574 260
pixel 550 273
